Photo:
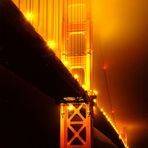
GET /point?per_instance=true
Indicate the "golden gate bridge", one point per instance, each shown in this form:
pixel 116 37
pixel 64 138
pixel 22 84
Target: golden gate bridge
pixel 66 26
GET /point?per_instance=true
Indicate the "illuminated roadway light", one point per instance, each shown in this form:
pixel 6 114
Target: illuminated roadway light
pixel 70 107
pixel 120 137
pixel 95 100
pixel 95 92
pixel 104 114
pixel 84 87
pixel 65 63
pixel 91 92
pixel 101 109
pixel 29 16
pixel 76 76
pixel 51 44
pixel 109 119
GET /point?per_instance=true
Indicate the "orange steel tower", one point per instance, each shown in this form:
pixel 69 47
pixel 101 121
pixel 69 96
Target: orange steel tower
pixel 76 54
pixel 67 28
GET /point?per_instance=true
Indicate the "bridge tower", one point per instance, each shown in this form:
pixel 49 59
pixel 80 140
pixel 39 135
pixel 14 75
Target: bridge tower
pixel 76 54
pixel 72 19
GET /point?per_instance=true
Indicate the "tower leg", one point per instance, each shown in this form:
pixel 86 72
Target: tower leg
pixel 75 125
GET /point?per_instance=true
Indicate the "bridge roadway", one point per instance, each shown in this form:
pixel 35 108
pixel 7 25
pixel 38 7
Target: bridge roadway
pixel 32 82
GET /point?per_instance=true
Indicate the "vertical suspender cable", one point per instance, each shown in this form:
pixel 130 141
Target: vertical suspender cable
pixel 52 19
pixel 70 24
pixel 58 23
pixel 76 36
pixel 39 14
pixel 19 4
pixel 31 10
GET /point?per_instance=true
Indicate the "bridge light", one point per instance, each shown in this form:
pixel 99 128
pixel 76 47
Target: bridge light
pixel 95 100
pixel 76 76
pixel 65 63
pixel 70 107
pixel 105 66
pixel 109 119
pixel 95 92
pixel 51 44
pixel 84 87
pixel 102 110
pixel 29 16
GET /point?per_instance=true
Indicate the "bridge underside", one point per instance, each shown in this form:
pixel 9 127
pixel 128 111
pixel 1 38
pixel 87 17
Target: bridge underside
pixel 26 115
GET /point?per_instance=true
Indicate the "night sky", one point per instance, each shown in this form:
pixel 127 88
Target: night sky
pixel 120 31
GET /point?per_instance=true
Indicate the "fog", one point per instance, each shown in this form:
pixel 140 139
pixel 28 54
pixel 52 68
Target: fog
pixel 120 38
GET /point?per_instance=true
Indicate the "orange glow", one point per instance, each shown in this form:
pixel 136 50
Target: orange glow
pixel 77 32
pixel 120 137
pixel 76 76
pixel 51 44
pixel 70 107
pixel 105 66
pixel 84 87
pixel 95 100
pixel 29 16
pixel 92 92
pixel 101 109
pixel 95 92
pixel 52 28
